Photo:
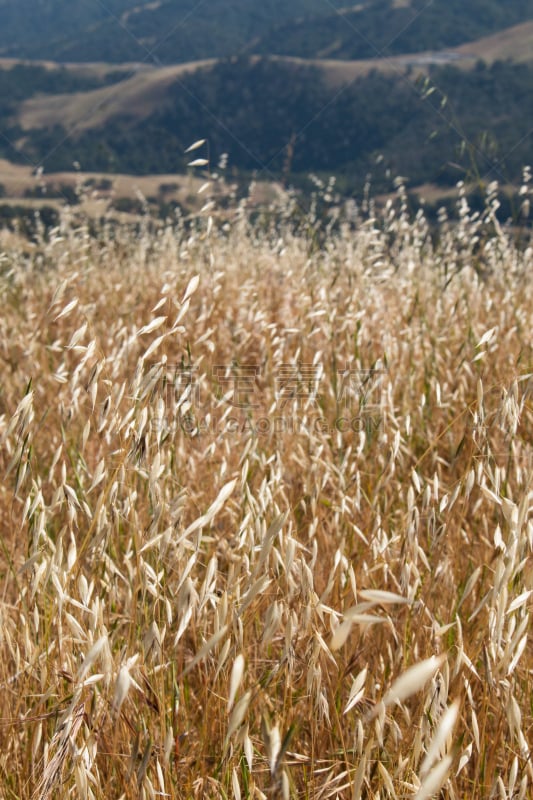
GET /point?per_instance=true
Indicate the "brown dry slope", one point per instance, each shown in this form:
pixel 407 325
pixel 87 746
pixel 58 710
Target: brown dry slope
pixel 137 96
pixel 147 87
pixel 515 43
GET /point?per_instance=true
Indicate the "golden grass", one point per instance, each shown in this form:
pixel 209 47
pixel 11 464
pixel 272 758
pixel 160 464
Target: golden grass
pixel 323 595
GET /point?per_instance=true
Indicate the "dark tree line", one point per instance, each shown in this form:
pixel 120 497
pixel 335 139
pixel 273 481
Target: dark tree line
pixel 182 30
pixel 273 118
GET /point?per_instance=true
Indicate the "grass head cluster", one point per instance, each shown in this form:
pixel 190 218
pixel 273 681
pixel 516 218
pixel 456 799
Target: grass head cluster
pixel 266 507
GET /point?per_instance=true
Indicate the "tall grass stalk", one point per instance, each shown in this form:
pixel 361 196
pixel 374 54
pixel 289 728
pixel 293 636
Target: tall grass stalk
pixel 305 570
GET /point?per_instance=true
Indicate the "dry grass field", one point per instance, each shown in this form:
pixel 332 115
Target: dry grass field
pixel 266 508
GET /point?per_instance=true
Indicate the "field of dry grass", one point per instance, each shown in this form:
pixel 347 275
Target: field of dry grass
pixel 266 508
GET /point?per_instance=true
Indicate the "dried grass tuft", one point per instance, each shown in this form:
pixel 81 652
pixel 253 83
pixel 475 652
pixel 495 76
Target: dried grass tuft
pixel 267 506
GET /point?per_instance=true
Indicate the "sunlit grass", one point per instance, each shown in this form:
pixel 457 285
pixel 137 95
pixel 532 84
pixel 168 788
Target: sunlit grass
pixel 266 508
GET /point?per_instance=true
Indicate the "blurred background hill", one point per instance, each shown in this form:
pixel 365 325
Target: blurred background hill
pixel 435 92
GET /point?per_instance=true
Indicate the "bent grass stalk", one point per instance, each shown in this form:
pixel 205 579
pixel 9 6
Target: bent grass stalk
pixel 228 568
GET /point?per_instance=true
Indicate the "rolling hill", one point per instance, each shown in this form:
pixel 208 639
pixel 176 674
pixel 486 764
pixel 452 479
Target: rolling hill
pixel 138 95
pixel 143 90
pixel 384 28
pixel 177 31
pixel 276 116
pixel 167 31
pixel 438 105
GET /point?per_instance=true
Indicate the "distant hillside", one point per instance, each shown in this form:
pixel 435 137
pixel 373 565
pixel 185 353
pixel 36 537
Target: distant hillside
pixel 284 89
pixel 140 93
pixel 514 44
pixel 87 96
pixel 275 118
pixel 128 30
pixel 177 31
pixel 35 28
pixel 20 81
pixel 388 28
